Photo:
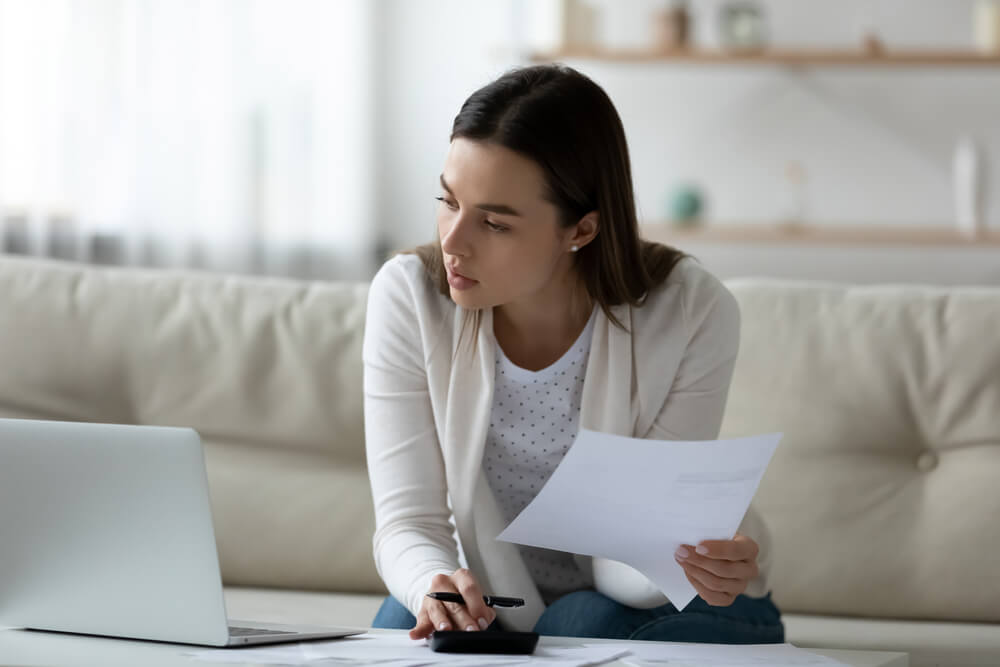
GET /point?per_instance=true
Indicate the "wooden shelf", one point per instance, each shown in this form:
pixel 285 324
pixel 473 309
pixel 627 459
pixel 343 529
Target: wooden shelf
pixel 875 235
pixel 857 57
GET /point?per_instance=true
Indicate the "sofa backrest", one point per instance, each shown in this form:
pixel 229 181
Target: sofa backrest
pixel 267 370
pixel 883 496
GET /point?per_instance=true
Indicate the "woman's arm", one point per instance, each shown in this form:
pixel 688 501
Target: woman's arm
pixel 696 403
pixel 693 410
pixel 413 534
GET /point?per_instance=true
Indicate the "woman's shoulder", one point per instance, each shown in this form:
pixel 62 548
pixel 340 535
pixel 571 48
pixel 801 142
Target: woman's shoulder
pixel 691 279
pixel 404 271
pixel 694 277
pixel 692 292
pixel 404 281
pixel 403 266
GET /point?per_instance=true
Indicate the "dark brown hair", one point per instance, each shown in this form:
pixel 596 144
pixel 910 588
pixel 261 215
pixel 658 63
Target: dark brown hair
pixel 567 124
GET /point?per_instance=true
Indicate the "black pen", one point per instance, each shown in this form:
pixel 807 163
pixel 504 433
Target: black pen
pixel 490 600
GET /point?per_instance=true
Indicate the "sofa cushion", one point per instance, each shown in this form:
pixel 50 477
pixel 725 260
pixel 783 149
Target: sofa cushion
pixel 301 607
pixel 267 370
pixel 291 519
pixel 930 644
pixel 881 498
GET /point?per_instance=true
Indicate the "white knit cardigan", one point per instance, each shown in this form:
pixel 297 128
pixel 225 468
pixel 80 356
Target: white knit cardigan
pixel 427 404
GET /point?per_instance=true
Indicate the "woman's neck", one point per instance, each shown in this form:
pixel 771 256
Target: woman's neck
pixel 536 333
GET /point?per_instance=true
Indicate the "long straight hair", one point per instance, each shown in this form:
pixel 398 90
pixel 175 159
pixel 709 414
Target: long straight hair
pixel 567 124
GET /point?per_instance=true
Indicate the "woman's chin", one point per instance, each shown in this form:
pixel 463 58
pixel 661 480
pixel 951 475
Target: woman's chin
pixel 467 300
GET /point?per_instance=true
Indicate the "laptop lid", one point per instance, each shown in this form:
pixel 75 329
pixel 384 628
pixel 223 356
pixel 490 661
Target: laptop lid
pixel 106 529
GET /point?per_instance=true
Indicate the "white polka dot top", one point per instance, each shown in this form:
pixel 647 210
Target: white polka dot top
pixel 533 422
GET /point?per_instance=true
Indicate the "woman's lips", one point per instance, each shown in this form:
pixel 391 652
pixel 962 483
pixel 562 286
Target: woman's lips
pixel 460 282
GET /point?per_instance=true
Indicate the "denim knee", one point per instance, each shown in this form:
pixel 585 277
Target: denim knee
pixel 583 614
pixel 592 614
pixel 394 616
pixel 747 621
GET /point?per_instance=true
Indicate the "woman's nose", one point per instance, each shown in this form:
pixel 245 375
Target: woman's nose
pixel 455 237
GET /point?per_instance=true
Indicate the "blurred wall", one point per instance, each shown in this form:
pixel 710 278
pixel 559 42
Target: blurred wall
pixel 876 144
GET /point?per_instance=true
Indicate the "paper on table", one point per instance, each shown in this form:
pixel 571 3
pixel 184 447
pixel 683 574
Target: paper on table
pixel 369 647
pixel 720 655
pixel 392 650
pixel 400 651
pixel 578 656
pixel 636 501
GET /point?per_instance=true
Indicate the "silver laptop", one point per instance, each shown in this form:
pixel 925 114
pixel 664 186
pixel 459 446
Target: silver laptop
pixel 106 529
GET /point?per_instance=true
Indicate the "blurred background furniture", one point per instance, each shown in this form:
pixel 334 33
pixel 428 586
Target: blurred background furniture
pixel 880 498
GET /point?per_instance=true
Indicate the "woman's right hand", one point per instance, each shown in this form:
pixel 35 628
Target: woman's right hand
pixel 438 615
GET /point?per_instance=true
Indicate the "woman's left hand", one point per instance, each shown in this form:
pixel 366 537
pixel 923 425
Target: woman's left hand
pixel 719 569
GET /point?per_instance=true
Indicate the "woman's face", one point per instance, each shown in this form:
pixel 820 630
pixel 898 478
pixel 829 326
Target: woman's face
pixel 500 238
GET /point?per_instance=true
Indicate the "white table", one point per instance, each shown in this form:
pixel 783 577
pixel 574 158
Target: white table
pixel 34 649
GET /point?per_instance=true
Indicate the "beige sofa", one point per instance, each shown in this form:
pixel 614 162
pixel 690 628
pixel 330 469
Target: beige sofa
pixel 883 496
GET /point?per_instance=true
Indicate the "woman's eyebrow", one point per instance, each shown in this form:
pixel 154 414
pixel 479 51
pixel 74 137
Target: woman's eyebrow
pixel 501 209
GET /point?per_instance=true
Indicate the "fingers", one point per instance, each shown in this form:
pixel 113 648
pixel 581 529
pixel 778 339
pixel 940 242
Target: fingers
pixel 446 615
pixel 424 626
pixel 718 581
pixel 715 583
pixel 740 547
pixel 475 608
pixel 460 617
pixel 712 597
pixel 727 569
pixel 438 615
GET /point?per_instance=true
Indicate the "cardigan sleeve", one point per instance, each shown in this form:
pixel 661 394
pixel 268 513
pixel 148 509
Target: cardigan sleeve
pixel 694 407
pixel 414 536
pixel 693 410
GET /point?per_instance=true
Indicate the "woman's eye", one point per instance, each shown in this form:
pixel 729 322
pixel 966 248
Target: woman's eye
pixel 495 227
pixel 447 203
pixel 492 226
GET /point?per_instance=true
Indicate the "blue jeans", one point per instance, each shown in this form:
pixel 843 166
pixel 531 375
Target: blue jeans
pixel 591 614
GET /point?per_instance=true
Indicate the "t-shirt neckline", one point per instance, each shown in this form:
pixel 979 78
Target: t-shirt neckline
pixel 578 349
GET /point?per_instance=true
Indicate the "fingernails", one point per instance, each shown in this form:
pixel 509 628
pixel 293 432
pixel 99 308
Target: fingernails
pixel 483 624
pixel 681 553
pixel 702 549
pixel 443 626
pixel 470 628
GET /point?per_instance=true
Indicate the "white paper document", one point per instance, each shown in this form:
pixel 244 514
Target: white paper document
pixel 370 647
pixel 719 655
pixel 398 650
pixel 636 501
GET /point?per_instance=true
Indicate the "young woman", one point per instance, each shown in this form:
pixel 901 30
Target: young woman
pixel 537 312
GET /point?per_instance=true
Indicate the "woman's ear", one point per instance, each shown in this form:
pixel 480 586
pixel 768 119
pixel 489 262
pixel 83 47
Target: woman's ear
pixel 586 229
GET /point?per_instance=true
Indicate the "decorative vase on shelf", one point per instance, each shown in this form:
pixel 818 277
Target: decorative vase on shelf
pixel 796 177
pixel 559 25
pixel 970 202
pixel 685 205
pixel 986 26
pixel 672 28
pixel 742 26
